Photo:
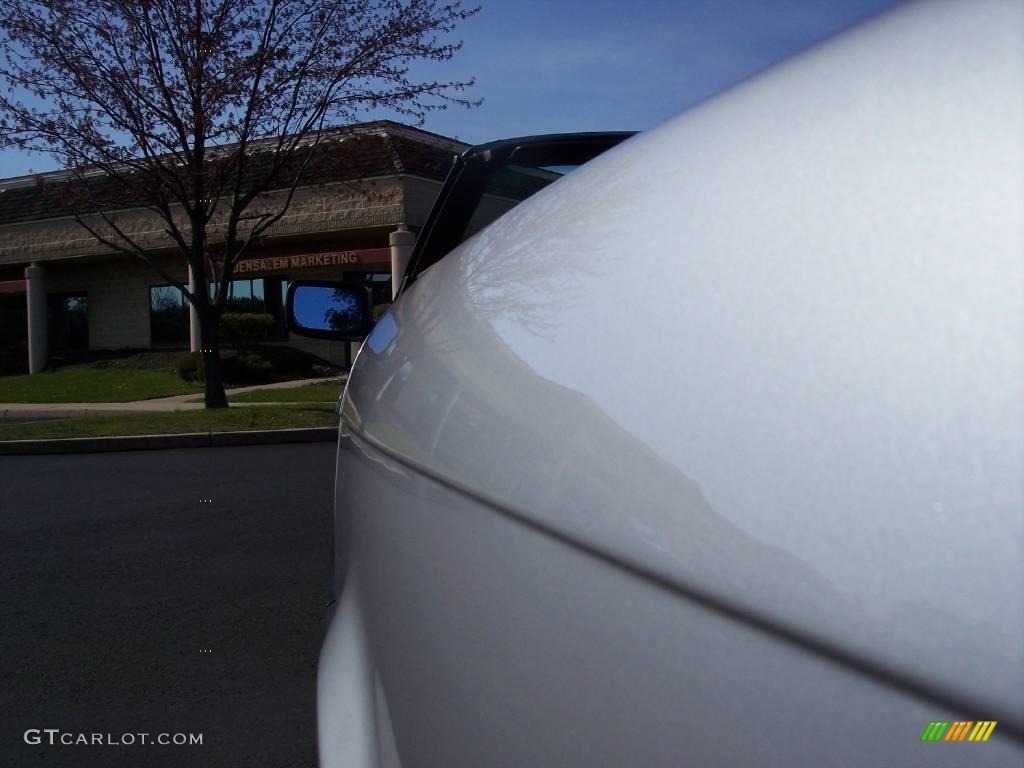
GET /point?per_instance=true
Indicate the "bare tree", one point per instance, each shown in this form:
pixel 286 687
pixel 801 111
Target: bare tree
pixel 195 109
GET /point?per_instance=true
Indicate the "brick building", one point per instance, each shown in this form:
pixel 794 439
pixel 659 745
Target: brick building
pixel 373 179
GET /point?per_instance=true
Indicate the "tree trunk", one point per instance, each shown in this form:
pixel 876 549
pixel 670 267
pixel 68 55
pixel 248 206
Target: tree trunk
pixel 214 396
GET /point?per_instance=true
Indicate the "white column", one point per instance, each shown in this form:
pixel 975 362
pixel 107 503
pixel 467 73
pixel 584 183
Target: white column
pixel 401 241
pixel 195 336
pixel 36 296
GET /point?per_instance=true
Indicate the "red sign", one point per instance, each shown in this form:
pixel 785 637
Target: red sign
pixel 364 257
pixel 13 286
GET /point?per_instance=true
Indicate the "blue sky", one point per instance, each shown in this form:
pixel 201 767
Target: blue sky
pixel 577 65
pixel 582 65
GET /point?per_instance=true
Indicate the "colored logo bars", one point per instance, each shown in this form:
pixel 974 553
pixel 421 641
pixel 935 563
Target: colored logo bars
pixel 938 730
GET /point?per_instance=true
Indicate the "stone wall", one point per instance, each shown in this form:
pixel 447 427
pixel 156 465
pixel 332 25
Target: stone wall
pixel 314 210
pixel 118 297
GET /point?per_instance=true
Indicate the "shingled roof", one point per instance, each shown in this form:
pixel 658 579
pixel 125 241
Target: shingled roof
pixel 366 150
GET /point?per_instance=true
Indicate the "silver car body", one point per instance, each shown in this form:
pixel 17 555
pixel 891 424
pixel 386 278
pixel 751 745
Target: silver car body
pixel 711 453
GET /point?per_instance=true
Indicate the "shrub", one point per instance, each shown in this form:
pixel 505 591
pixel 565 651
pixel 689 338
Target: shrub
pixel 246 328
pixel 245 368
pixel 190 366
pixel 290 362
pixel 268 364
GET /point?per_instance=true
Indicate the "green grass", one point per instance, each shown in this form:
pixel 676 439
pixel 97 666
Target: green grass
pixel 309 393
pixel 217 420
pixel 92 385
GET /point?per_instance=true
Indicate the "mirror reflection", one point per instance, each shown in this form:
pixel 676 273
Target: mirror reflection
pixel 335 309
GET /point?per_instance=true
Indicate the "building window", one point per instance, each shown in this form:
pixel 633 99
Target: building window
pixel 168 315
pixel 261 296
pixel 68 321
pixel 13 319
pixel 168 307
pixel 380 292
pixel 245 296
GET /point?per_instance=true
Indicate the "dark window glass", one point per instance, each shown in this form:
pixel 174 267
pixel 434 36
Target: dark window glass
pixel 68 321
pixel 13 319
pixel 490 179
pixel 272 291
pixel 13 334
pixel 246 296
pixel 168 307
pixel 260 296
pixel 380 293
pixel 508 187
pixel 168 315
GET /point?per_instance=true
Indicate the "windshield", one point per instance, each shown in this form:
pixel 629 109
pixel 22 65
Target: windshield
pixel 491 179
pixel 508 187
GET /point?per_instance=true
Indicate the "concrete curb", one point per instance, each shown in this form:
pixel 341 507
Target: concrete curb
pixel 159 442
pixel 72 413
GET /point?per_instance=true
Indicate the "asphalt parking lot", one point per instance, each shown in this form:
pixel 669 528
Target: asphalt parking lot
pixel 132 605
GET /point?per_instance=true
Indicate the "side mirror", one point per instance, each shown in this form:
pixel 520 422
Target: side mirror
pixel 328 310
